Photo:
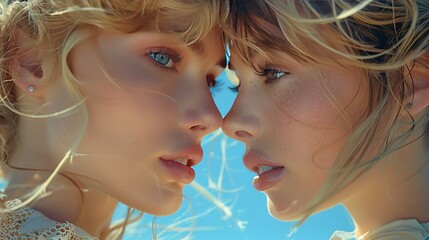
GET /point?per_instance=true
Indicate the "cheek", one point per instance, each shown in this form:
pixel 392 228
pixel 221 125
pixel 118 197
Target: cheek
pixel 309 120
pixel 330 99
pixel 125 119
pixel 129 123
pixel 306 102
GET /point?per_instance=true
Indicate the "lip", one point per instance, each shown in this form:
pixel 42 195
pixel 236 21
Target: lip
pixel 180 172
pixel 252 160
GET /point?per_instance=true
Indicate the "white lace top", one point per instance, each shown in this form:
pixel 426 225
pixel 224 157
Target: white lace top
pixel 26 223
pixel 409 229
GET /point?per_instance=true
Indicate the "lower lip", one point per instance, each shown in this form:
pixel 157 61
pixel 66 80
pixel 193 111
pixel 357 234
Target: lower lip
pixel 179 172
pixel 268 179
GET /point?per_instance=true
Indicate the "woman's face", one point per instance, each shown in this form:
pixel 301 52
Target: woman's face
pixel 293 118
pixel 149 105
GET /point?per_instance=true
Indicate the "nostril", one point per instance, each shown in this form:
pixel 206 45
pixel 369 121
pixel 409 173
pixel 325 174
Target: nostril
pixel 243 134
pixel 198 128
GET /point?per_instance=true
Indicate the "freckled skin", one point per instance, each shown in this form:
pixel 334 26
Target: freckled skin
pixel 298 126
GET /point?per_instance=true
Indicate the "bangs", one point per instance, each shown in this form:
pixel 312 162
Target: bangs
pixel 252 28
pixel 190 20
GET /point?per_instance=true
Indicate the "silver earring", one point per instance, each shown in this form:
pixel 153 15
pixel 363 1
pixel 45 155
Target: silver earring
pixel 409 105
pixel 31 88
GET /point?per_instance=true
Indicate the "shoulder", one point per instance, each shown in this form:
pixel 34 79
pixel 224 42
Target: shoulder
pixel 408 229
pixel 405 229
pixel 31 224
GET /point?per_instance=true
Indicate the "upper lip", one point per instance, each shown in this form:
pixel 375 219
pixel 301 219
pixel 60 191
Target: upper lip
pixel 253 159
pixel 194 155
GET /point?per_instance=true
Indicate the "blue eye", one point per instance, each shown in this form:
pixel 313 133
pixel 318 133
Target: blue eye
pixel 162 59
pixel 271 74
pixel 165 58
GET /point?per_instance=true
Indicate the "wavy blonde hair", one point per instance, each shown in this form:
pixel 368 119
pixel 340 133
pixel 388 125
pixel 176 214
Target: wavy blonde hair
pixel 385 40
pixel 54 27
pixel 52 24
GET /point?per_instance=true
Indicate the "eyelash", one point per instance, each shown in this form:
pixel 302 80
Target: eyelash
pixel 175 58
pixel 170 53
pixel 264 72
pixel 267 70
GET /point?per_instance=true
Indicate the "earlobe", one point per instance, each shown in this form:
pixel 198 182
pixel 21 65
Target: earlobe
pixel 25 66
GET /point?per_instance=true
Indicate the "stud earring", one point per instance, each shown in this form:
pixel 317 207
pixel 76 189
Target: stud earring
pixel 31 88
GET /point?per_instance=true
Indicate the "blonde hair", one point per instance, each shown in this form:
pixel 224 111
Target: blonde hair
pixel 51 24
pixel 55 27
pixel 379 37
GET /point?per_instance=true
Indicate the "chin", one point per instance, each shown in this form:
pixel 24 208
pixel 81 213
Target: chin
pixel 165 203
pixel 166 208
pixel 282 210
pixel 284 217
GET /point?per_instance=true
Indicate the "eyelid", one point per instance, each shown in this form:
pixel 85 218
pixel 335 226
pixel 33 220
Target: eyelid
pixel 174 55
pixel 261 70
pixel 279 67
pixel 171 53
pixel 267 71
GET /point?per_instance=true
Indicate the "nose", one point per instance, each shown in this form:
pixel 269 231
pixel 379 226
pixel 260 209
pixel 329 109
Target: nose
pixel 202 120
pixel 201 116
pixel 241 123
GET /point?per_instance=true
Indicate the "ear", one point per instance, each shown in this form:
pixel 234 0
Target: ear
pixel 25 65
pixel 420 80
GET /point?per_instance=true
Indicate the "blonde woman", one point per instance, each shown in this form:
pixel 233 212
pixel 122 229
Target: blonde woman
pixel 333 109
pixel 102 101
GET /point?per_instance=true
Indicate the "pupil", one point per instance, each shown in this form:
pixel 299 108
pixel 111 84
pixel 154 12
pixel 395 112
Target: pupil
pixel 161 58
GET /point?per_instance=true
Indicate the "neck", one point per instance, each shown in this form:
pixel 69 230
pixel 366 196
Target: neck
pixel 34 159
pixel 395 188
pixel 97 212
pixel 90 210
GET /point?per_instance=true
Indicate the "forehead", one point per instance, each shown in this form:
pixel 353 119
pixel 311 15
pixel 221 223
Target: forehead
pixel 190 20
pixel 258 39
pixel 269 27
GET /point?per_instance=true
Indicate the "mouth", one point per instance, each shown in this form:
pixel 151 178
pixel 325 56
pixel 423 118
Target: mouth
pixel 179 165
pixel 262 169
pixel 268 173
pixel 184 161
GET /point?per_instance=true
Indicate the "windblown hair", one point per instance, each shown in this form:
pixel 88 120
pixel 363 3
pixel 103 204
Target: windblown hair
pixel 385 40
pixel 53 26
pixel 56 26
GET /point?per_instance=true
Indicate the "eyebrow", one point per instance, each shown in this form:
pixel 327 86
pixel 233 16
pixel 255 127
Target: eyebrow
pixel 200 49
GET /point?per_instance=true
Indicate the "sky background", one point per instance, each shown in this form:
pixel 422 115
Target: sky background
pixel 222 204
